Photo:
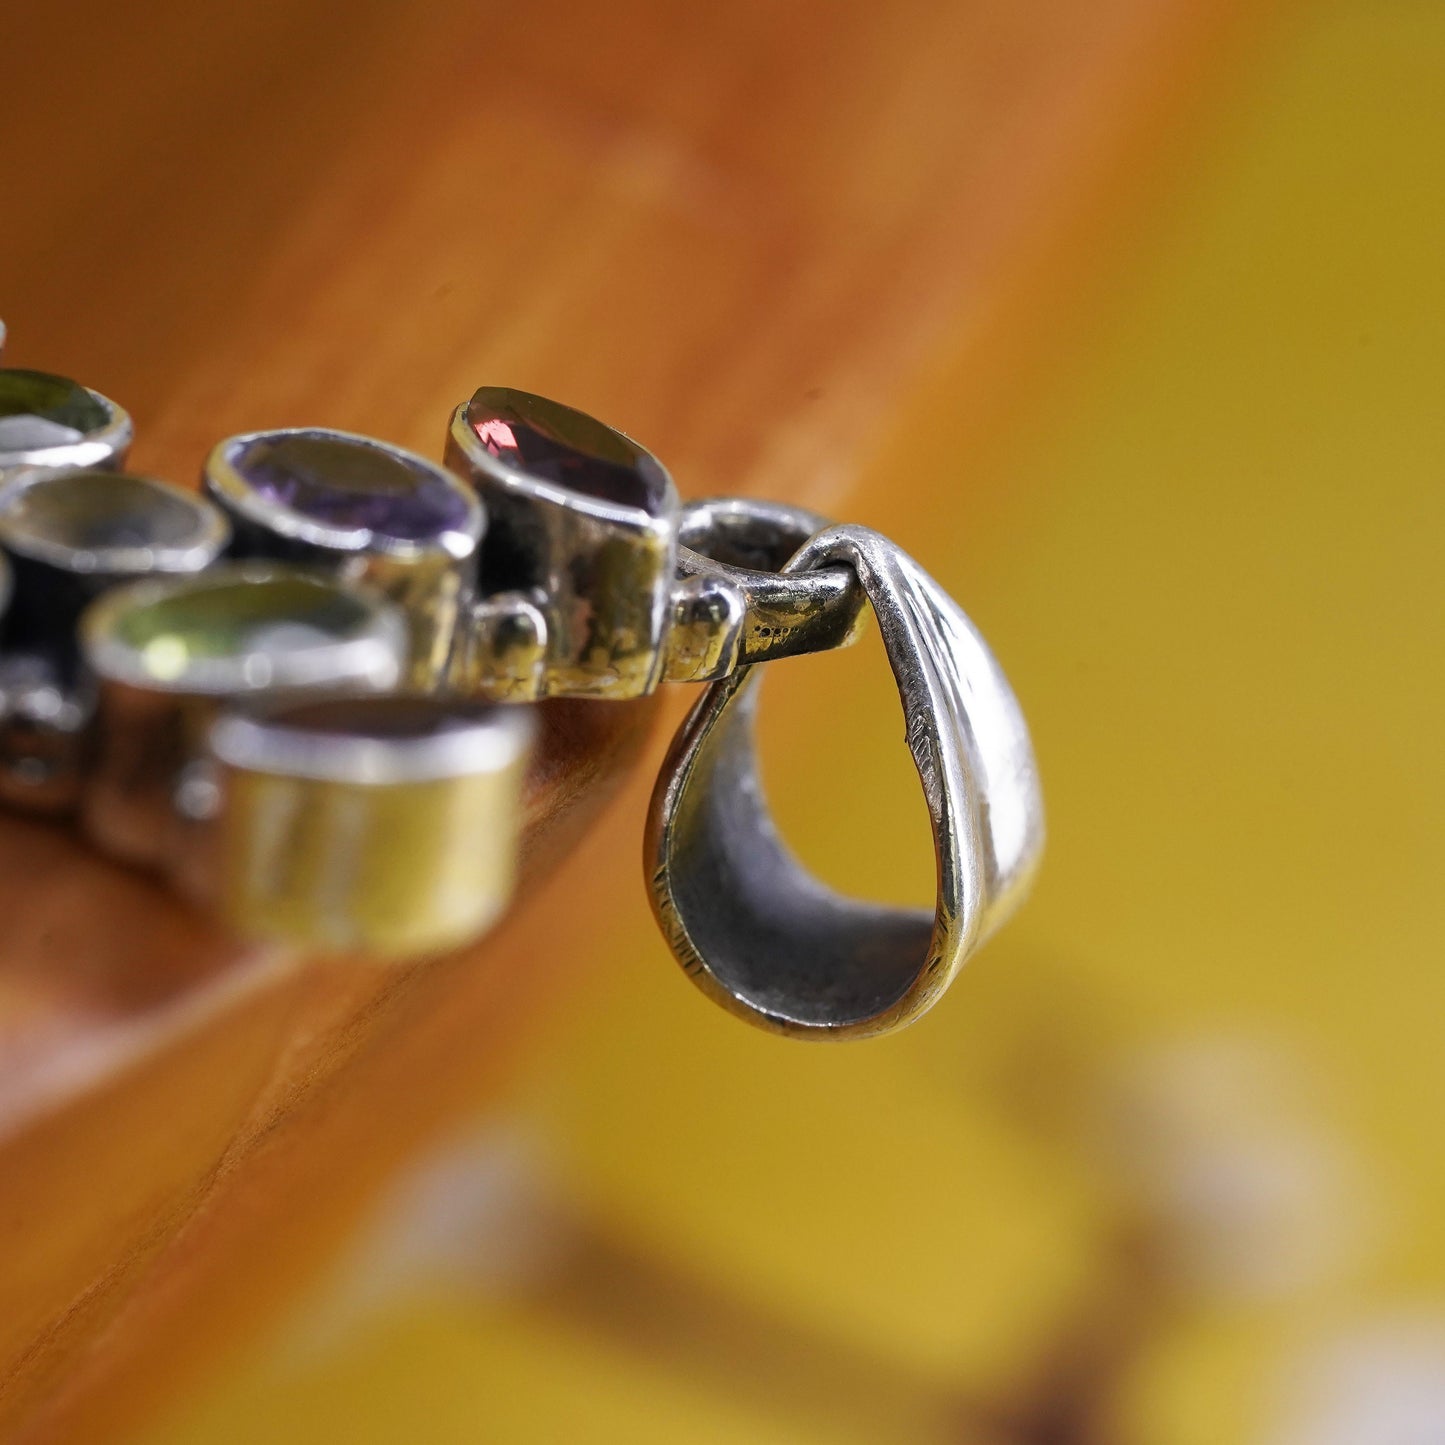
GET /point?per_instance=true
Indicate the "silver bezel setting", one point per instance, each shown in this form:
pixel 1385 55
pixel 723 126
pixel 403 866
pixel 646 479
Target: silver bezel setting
pixel 213 531
pixel 101 449
pixel 483 739
pixel 372 658
pixel 556 494
pixel 229 487
pixel 601 641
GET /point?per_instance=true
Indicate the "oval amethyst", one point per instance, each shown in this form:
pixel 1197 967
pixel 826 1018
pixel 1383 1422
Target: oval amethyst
pixel 344 482
pixel 556 443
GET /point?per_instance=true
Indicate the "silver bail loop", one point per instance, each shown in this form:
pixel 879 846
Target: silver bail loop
pixel 750 925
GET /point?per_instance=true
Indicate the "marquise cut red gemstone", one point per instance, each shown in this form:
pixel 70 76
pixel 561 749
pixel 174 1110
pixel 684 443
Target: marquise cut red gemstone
pixel 555 443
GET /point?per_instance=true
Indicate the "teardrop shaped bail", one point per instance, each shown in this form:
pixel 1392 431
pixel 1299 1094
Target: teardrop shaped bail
pixel 759 933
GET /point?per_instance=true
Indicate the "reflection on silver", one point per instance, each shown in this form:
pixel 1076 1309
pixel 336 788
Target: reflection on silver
pixel 244 627
pixel 600 568
pixel 387 824
pixel 373 514
pixel 109 525
pixel 374 741
pixel 167 652
pixel 377 514
pixel 739 546
pixel 27 441
pixel 751 926
pixel 69 535
pixel 42 736
pixel 390 824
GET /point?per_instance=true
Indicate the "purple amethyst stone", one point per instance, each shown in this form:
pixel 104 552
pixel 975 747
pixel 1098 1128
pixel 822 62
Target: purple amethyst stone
pixel 347 483
pixel 554 443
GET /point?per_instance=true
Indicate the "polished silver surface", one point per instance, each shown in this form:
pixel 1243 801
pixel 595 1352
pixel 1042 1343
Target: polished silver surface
pixel 68 536
pixel 244 627
pixel 501 649
pixel 705 635
pixel 603 569
pixel 376 740
pixel 428 571
pixel 228 484
pixel 760 934
pixel 43 729
pixel 241 728
pixel 741 545
pixel 166 653
pixel 56 446
pixel 67 521
pixel 387 824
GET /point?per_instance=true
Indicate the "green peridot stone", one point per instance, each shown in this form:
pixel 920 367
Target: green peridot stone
pixel 239 619
pixel 40 410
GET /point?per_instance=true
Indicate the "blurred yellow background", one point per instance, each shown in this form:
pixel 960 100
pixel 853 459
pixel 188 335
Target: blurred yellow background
pixel 1165 1166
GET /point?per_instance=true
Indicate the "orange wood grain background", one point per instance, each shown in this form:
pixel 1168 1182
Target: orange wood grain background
pixel 740 232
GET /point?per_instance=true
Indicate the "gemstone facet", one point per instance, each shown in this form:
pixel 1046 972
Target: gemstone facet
pixel 230 620
pixel 555 443
pixel 236 629
pixel 349 484
pixel 39 410
pixel 100 522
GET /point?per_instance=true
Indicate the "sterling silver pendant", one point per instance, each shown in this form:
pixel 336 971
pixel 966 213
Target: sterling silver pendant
pixel 303 696
pixel 750 925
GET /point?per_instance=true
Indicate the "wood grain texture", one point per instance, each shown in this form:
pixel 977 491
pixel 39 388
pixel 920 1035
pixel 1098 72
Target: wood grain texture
pixel 740 232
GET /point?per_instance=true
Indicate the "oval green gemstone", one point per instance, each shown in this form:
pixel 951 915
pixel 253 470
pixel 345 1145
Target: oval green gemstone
pixel 40 410
pixel 238 619
pixel 238 629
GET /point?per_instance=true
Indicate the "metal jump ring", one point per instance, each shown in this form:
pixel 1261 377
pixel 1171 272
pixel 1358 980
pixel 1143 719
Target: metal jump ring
pixel 744 544
pixel 760 934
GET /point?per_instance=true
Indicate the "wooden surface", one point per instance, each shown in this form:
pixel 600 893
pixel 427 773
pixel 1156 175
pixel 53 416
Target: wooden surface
pixel 738 232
